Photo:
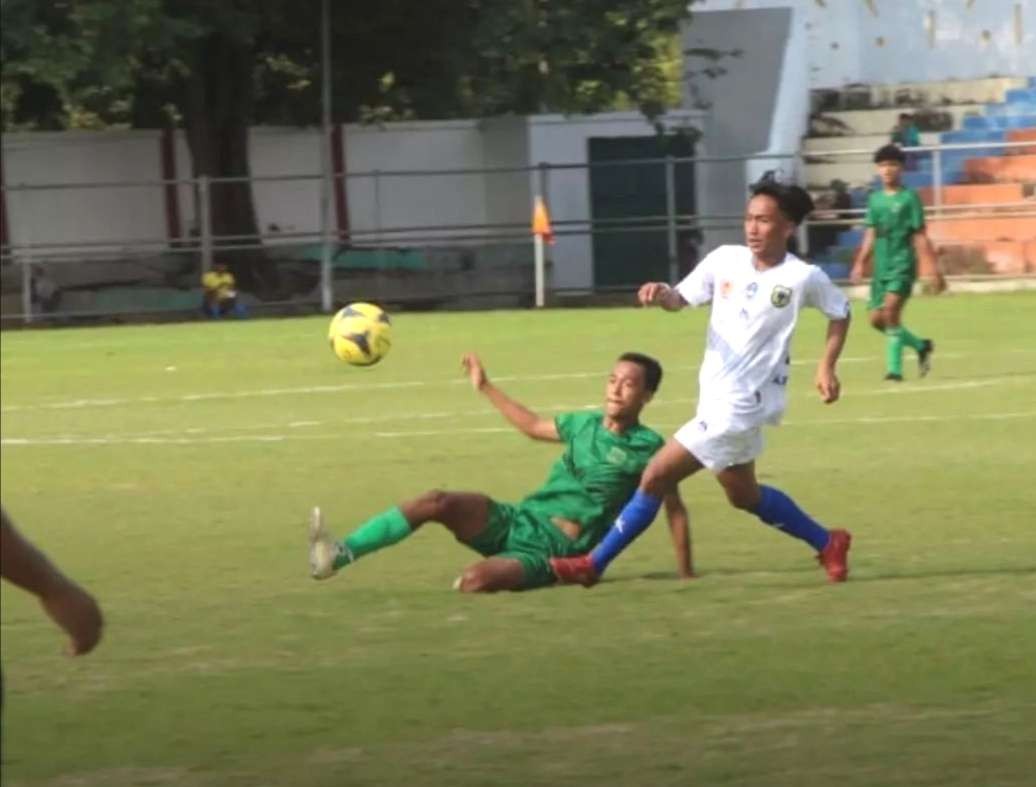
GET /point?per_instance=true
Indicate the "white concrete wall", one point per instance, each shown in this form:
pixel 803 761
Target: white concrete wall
pixel 565 140
pixel 508 195
pixel 959 49
pixel 118 215
pixel 407 201
pixel 109 214
pixel 851 43
pixel 758 107
pixel 293 205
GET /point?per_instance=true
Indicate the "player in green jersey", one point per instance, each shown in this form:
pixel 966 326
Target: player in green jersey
pixel 897 240
pixel 605 453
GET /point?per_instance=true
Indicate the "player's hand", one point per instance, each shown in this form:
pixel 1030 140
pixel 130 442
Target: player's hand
pixel 77 613
pixel 935 284
pixel 652 293
pixel 476 373
pixel 856 274
pixel 828 385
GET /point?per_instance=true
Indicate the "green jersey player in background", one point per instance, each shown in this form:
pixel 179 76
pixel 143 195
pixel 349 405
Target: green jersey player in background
pixel 605 453
pixel 897 241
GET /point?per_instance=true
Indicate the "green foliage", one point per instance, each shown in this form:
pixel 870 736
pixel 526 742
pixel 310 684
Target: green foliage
pixel 74 64
pixel 111 62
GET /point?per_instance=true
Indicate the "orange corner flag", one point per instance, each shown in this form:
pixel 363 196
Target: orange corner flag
pixel 541 221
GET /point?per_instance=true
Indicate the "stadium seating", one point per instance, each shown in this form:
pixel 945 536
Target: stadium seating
pixel 998 236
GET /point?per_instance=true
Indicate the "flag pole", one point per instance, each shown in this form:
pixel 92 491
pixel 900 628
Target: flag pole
pixel 541 235
pixel 537 242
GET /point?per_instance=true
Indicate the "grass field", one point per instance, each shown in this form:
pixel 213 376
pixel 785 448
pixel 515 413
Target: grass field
pixel 171 468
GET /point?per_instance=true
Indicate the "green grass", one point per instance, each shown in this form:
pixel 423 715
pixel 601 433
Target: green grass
pixel 181 505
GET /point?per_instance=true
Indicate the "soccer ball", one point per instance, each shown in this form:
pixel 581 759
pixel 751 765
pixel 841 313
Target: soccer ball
pixel 360 334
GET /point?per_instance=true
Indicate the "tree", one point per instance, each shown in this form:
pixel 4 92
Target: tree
pixel 219 67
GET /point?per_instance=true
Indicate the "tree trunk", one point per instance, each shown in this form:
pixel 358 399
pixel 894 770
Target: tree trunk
pixel 217 108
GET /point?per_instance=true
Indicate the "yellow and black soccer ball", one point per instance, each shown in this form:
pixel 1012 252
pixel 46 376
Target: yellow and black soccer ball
pixel 360 334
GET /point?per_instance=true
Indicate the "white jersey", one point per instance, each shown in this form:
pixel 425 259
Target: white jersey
pixel 744 374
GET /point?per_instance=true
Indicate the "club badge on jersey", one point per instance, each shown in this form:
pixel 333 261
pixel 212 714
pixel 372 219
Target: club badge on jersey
pixel 780 297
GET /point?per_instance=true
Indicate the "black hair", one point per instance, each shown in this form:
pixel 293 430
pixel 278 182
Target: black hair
pixel 652 369
pixel 793 201
pixel 889 153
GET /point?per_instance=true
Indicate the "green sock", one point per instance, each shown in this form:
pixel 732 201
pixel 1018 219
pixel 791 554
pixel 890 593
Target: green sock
pixel 910 340
pixel 894 350
pixel 383 530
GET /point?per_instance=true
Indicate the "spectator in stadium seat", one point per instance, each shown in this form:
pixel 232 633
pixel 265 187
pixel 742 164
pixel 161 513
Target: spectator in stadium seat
pixel 906 134
pixel 832 204
pixel 220 292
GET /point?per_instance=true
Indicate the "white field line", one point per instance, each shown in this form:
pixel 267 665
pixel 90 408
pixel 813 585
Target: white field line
pixel 279 438
pixel 657 404
pixel 77 404
pixel 863 420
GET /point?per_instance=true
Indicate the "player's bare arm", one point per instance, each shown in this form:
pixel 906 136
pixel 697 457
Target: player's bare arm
pixel 67 604
pixel 863 256
pixel 927 261
pixel 680 532
pixel 827 381
pixel 657 293
pixel 521 417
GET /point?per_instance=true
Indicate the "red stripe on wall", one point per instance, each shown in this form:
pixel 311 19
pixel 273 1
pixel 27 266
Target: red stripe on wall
pixel 338 181
pixel 167 148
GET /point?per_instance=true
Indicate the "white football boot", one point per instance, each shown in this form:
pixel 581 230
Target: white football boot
pixel 323 549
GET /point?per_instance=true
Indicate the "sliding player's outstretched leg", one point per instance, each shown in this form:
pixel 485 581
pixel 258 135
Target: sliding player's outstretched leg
pixel 463 513
pixel 324 551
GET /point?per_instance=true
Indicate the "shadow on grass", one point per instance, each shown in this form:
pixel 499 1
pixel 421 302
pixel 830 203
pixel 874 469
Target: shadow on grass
pixel 943 574
pixel 866 576
pixel 655 576
pixel 987 376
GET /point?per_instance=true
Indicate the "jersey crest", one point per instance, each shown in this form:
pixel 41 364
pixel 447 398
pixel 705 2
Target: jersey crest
pixel 781 296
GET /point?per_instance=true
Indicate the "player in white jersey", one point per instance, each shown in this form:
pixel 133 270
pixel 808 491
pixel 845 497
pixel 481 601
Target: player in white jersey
pixel 756 291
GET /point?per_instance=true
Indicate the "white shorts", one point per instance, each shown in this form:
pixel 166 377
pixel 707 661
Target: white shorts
pixel 719 444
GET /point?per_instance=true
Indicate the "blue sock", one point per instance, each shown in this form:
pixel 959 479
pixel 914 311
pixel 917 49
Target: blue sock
pixel 633 520
pixel 777 509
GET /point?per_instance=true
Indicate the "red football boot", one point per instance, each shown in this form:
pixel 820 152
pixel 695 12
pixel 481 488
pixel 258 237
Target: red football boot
pixel 578 570
pixel 835 556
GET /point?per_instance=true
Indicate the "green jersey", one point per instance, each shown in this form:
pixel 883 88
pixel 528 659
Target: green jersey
pixel 895 218
pixel 596 475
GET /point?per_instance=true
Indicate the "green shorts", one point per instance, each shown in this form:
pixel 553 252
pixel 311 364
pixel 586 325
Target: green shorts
pixel 899 284
pixel 513 532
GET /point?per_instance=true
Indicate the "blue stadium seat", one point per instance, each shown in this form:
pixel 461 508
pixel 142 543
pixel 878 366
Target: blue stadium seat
pixel 835 270
pixel 1000 122
pixel 917 180
pixel 1022 95
pixel 965 136
pixel 850 238
pixel 1015 108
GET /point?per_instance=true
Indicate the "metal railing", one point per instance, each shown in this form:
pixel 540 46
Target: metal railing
pixel 717 215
